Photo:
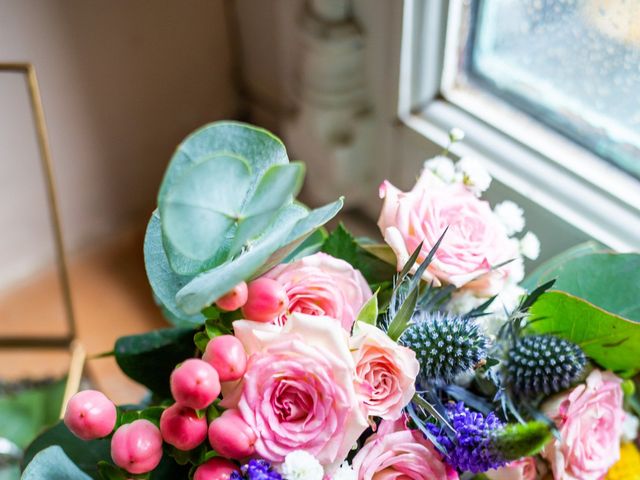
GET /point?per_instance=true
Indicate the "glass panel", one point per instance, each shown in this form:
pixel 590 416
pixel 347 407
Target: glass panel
pixel 574 64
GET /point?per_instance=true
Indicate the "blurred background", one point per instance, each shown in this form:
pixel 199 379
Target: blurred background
pixel 362 90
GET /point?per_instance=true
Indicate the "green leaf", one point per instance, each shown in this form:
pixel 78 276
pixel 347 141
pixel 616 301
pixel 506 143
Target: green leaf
pixel 382 251
pixel 149 358
pixel 26 412
pixel 201 339
pixel 259 146
pixel 610 340
pixel 84 454
pixel 207 287
pixel 203 205
pixel 312 244
pixel 341 244
pixel 220 204
pixel 517 440
pixel 110 472
pixel 369 311
pixel 610 281
pixel 164 282
pixel 547 269
pixel 402 319
pixel 53 464
pixel 291 227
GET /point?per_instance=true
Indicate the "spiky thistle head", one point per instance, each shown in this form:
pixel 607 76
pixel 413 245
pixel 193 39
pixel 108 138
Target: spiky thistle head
pixel 445 344
pixel 543 364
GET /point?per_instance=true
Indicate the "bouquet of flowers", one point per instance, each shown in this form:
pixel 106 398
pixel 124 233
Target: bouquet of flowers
pixel 299 354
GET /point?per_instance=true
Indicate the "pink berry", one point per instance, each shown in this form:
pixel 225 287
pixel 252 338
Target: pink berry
pixel 195 384
pixel 234 299
pixel 90 414
pixel 231 437
pixel 215 469
pixel 226 354
pixel 137 446
pixel 267 299
pixel 181 427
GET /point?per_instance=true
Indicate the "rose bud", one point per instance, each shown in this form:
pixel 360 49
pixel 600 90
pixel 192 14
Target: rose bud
pixel 230 436
pixel 90 414
pixel 137 446
pixel 181 427
pixel 234 299
pixel 267 299
pixel 226 354
pixel 195 384
pixel 215 469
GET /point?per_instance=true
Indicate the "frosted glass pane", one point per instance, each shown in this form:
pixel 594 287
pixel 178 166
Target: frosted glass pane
pixel 574 64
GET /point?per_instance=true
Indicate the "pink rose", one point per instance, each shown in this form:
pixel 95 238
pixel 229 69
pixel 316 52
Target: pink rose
pixel 523 469
pixel 475 242
pixel 298 391
pixel 386 371
pixel 322 285
pixel 589 418
pixel 395 452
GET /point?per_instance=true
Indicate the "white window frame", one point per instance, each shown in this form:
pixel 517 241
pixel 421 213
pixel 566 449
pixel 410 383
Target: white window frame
pixel 550 170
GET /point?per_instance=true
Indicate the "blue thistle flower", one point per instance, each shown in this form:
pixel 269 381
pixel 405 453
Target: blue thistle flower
pixel 445 344
pixel 471 448
pixel 256 470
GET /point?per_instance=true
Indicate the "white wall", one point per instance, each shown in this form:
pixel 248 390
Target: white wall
pixel 122 83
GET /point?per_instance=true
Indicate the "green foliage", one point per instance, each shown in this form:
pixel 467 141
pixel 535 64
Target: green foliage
pixel 226 212
pixel 149 358
pixel 85 455
pixel 595 304
pixel 547 269
pixel 610 340
pixel 341 244
pixel 52 464
pixel 27 411
pixel 515 441
pixel 369 311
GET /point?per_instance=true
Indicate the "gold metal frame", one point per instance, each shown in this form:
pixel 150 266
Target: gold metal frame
pixel 45 155
pixel 68 341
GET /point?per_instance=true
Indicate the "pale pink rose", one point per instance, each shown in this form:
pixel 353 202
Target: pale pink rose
pixel 322 285
pixel 385 371
pixel 475 242
pixel 589 418
pixel 523 469
pixel 395 452
pixel 298 391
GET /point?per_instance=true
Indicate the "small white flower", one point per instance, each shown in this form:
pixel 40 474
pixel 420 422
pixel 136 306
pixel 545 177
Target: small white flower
pixel 345 472
pixel 442 167
pixel 511 216
pixel 530 246
pixel 474 176
pixel 490 324
pixel 630 426
pixel 516 271
pixel 456 134
pixel 463 301
pixel 301 465
pixel 508 299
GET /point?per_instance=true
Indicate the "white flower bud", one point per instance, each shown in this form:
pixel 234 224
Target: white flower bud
pixel 530 246
pixel 441 167
pixel 474 176
pixel 456 134
pixel 301 465
pixel 345 472
pixel 511 216
pixel 630 426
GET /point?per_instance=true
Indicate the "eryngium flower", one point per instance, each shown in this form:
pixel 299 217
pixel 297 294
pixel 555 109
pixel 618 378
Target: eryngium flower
pixel 256 470
pixel 543 364
pixel 445 344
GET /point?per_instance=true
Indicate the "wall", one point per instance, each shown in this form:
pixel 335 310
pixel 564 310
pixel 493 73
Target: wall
pixel 122 83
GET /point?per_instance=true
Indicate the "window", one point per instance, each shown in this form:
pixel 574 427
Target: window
pixel 547 92
pixel 574 64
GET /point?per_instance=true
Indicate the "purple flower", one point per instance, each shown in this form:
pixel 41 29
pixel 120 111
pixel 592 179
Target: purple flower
pixel 470 449
pixel 256 470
